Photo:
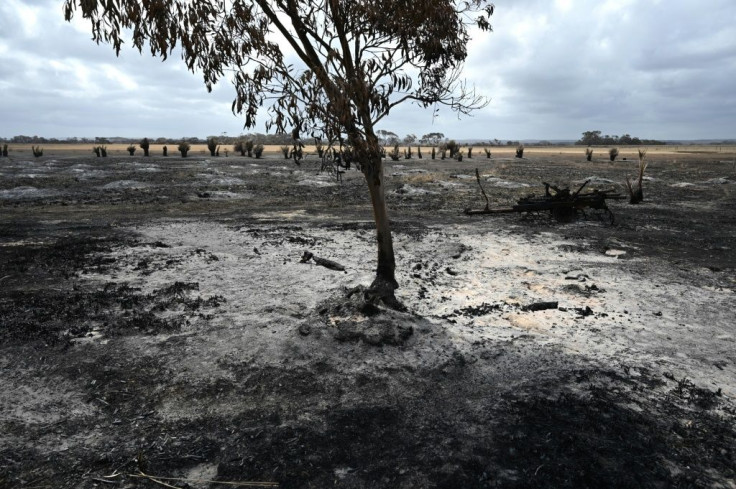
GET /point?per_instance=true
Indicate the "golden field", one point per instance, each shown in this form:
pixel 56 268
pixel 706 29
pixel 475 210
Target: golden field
pixel 724 152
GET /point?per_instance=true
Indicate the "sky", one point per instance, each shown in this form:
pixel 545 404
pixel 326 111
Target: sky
pixel 552 69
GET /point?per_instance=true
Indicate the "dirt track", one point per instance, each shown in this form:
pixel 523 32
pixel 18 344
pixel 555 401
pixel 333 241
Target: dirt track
pixel 156 318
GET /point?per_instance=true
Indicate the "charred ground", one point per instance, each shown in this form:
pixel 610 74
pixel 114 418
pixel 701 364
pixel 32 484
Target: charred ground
pixel 130 346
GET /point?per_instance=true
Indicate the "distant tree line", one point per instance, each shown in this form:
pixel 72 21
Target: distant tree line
pixel 42 140
pixel 387 138
pixel 390 138
pixel 257 138
pixel 594 138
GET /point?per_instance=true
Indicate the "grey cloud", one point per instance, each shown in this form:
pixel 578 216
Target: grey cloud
pixel 647 67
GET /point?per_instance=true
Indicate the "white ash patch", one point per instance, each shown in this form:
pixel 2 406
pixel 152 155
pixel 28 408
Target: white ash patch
pixel 136 165
pixel 501 183
pixel 615 253
pixel 712 181
pixel 296 215
pixel 125 184
pixel 78 168
pixel 148 169
pixel 227 181
pixel 610 309
pixel 718 181
pixel 410 190
pixel 27 192
pixel 89 173
pixel 450 185
pixel 226 195
pixel 322 180
pixel 48 401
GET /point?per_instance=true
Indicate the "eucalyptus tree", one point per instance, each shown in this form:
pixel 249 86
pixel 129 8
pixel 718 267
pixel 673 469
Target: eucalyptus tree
pixel 387 138
pixel 332 69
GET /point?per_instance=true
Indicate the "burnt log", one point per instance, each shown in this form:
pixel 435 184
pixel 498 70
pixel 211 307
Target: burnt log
pixel 540 306
pixel 561 203
pixel 324 262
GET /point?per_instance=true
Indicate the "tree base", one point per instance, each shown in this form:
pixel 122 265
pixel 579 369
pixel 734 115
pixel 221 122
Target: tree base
pixel 636 197
pixel 382 290
pixel 360 315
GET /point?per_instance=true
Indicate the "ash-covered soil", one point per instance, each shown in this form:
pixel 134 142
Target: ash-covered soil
pixel 158 326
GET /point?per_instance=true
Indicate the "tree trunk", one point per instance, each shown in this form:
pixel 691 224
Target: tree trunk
pixel 385 284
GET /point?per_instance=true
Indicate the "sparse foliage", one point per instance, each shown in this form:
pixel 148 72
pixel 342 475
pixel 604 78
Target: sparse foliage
pixel 96 151
pixel 520 151
pixel 37 151
pixel 395 154
pixel 285 151
pixel 212 145
pixel 470 152
pixel 613 153
pixel 432 138
pixel 5 150
pixel 589 153
pixel 636 192
pixel 165 150
pixel 419 152
pixel 358 61
pixel 452 147
pixel 488 152
pixel 594 138
pixel 184 148
pixel 131 149
pixel 239 147
pixel 387 138
pixel 434 153
pixel 258 150
pixel 249 147
pixel 145 145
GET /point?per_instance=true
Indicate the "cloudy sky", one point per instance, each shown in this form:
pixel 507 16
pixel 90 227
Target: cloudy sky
pixel 552 68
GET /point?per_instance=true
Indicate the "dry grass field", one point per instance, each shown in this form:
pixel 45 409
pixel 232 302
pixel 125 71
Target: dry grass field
pixel 158 327
pixel 703 152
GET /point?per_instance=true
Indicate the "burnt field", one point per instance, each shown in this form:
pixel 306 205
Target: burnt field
pixel 158 327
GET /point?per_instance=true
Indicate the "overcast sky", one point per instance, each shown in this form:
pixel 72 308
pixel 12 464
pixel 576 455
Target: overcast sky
pixel 552 68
